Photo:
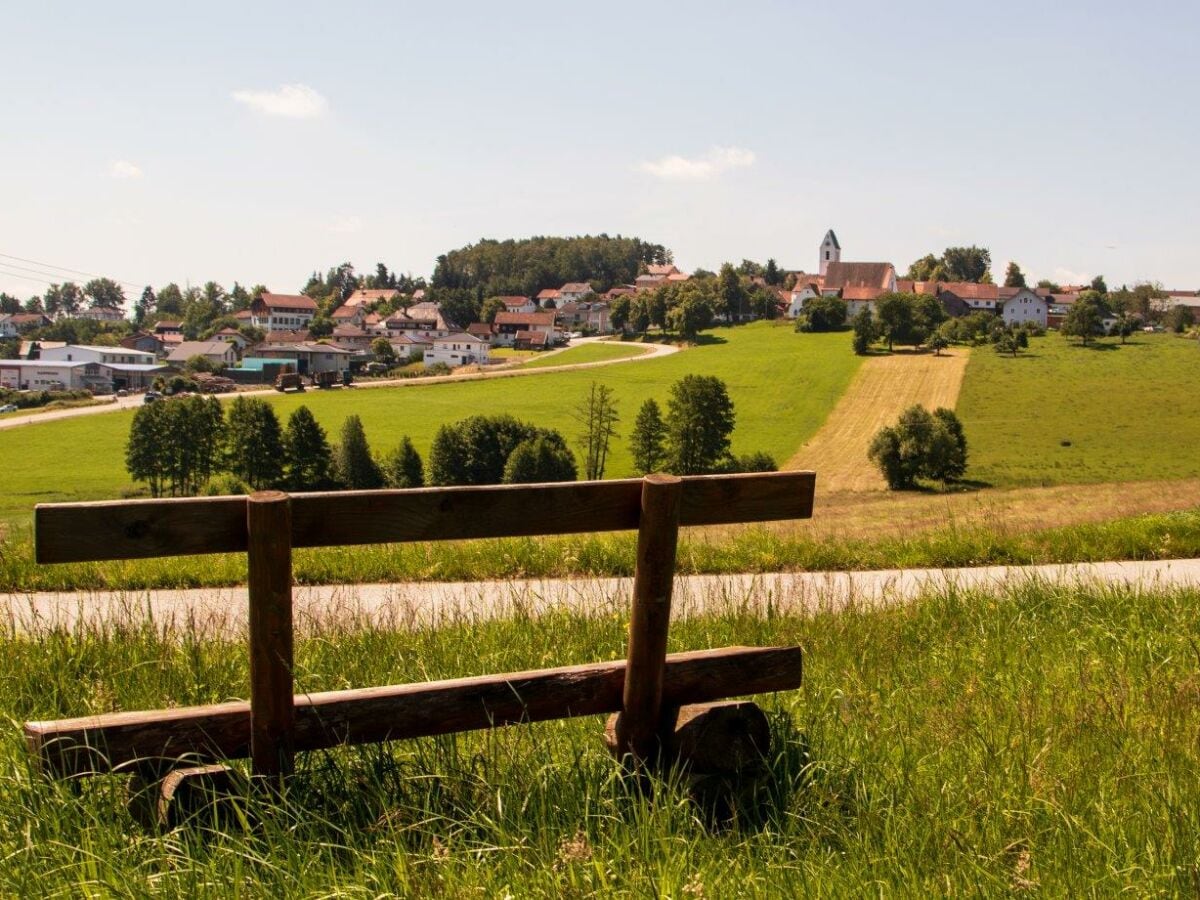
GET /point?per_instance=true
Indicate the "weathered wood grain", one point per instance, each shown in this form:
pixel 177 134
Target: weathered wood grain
pixel 135 529
pixel 95 744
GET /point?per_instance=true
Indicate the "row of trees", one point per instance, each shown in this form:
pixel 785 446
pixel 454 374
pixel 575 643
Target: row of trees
pixel 689 307
pixel 178 447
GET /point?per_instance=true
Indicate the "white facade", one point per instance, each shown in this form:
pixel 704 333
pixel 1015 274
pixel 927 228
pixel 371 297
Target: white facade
pixel 93 354
pixel 7 328
pixel 1025 306
pixel 798 299
pixel 41 375
pixel 458 350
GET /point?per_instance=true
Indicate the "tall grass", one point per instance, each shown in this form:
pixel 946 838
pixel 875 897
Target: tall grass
pixel 719 551
pixel 1044 739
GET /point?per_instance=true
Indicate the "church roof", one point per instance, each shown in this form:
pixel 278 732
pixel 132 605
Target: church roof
pixel 858 274
pixel 830 234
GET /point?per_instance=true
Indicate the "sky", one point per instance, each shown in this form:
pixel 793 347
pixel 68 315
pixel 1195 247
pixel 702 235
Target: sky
pixel 256 142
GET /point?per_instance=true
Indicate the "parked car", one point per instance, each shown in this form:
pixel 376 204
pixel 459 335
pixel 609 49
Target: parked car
pixel 151 396
pixel 122 393
pixel 8 407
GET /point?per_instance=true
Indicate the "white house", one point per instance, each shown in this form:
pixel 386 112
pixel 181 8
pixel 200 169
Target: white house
pixel 282 312
pixel 101 314
pixel 507 324
pixel 574 291
pixel 94 354
pixel 519 304
pixel 7 328
pixel 806 288
pixel 458 349
pixel 1024 306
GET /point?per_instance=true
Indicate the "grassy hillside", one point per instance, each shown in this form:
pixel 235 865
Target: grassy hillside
pixel 586 353
pixel 783 384
pixel 1044 741
pixel 1129 412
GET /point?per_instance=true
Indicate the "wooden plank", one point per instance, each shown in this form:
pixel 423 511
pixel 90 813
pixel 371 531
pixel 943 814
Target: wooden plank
pixel 272 718
pixel 135 529
pixel 94 744
pixel 650 617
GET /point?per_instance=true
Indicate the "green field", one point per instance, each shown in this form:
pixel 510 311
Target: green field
pixel 783 385
pixel 586 353
pixel 1045 742
pixel 1129 412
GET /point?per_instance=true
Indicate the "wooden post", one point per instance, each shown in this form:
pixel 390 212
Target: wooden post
pixel 658 534
pixel 272 713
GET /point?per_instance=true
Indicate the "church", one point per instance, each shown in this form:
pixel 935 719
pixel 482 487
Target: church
pixel 858 283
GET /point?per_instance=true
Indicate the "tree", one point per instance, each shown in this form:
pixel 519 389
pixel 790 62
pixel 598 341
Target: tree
pixel 402 468
pixel 460 307
pixel 938 343
pixel 762 302
pixel 647 442
pixel 865 331
pixel 699 421
pixel 771 273
pixel 355 467
pixel 823 314
pixel 143 306
pixel 198 363
pixel 597 416
pixel 639 315
pixel 1007 344
pixel 175 446
pixel 545 457
pixel 104 293
pixel 476 449
pixel 619 311
pixel 947 458
pixel 1084 319
pixel 169 301
pixel 9 304
pixel 1099 285
pixel 1180 319
pixel 692 315
pixel 491 306
pixel 920 445
pixel 730 295
pixel 63 300
pixel 309 461
pixel 967 263
pixel 1013 276
pixel 1048 285
pixel 753 462
pixel 894 315
pixel 383 351
pixel 254 451
pixel 927 268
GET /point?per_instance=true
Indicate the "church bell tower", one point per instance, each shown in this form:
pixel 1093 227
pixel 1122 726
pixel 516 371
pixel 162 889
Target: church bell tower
pixel 831 251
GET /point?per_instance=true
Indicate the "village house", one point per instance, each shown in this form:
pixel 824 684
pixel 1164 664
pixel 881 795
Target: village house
pixel 7 329
pixel 282 312
pixel 370 296
pixel 406 347
pixel 351 337
pixel 19 323
pixel 574 291
pixel 423 320
pixel 1058 305
pixel 531 340
pixel 144 341
pixel 508 324
pixel 519 304
pixel 92 353
pixel 548 298
pixel 232 336
pixel 1019 306
pixel 976 297
pixel 483 330
pixel 349 315
pixel 805 288
pixel 310 357
pixel 101 370
pixel 219 353
pixel 101 314
pixel 459 349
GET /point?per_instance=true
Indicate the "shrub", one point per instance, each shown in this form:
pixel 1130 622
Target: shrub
pixel 920 445
pixel 543 458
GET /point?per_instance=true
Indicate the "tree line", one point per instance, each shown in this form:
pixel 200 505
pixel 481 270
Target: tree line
pixel 191 445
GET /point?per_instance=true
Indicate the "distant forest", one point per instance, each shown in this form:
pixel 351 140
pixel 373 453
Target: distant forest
pixel 523 267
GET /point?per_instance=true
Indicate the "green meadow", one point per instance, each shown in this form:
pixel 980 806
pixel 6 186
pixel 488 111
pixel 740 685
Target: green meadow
pixel 1045 741
pixel 783 385
pixel 1063 413
pixel 586 353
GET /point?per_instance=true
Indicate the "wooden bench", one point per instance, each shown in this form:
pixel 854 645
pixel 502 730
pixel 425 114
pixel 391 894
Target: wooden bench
pixel 276 723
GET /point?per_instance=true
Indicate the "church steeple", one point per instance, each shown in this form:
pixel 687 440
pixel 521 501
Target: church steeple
pixel 831 251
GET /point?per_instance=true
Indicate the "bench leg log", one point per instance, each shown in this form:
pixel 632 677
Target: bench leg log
pixel 727 738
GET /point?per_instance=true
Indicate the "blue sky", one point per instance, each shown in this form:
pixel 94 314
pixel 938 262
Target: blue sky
pixel 156 142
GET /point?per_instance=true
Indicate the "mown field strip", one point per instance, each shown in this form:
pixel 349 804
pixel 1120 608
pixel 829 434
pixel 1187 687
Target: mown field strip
pixel 883 388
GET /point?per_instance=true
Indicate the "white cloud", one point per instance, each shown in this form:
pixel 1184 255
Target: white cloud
pixel 291 101
pixel 122 168
pixel 1066 276
pixel 699 168
pixel 346 225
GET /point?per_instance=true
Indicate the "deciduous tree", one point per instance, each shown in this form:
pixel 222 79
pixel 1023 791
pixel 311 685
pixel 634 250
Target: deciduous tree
pixel 700 418
pixel 545 457
pixel 597 417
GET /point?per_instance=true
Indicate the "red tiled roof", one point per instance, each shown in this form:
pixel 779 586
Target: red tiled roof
pixel 855 292
pixel 286 337
pixel 527 318
pixel 533 337
pixel 288 301
pixel 369 295
pixel 549 294
pixel 969 290
pixel 345 311
pixel 480 329
pixel 243 314
pixel 575 287
pixel 660 270
pixel 858 274
pixel 348 331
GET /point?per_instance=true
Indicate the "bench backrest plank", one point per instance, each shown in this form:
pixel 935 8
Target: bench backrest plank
pixel 138 529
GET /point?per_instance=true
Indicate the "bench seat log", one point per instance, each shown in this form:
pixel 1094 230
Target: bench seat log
pixel 139 529
pixel 96 744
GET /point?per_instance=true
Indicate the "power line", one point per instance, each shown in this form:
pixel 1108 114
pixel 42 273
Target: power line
pixel 25 277
pixel 63 269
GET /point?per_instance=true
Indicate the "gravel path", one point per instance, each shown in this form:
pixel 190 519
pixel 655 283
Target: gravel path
pixel 223 610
